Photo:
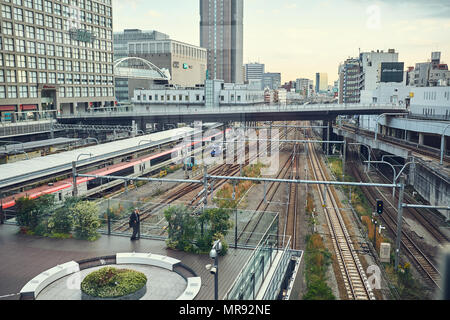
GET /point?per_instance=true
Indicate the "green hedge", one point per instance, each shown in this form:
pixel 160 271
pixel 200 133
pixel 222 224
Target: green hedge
pixel 113 283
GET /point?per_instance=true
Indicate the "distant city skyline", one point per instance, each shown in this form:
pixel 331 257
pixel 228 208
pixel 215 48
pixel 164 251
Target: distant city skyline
pixel 301 38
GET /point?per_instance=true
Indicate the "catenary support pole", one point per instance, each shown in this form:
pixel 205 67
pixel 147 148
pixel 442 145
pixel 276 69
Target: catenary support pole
pixel 74 179
pixel 399 220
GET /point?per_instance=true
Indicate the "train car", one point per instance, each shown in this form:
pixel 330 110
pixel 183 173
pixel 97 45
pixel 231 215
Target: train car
pixel 89 186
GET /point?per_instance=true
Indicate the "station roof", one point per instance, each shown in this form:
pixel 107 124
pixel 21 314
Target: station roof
pixel 11 147
pixel 19 172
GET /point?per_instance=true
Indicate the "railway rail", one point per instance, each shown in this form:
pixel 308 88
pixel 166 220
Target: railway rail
pixel 419 215
pixel 425 266
pixel 355 279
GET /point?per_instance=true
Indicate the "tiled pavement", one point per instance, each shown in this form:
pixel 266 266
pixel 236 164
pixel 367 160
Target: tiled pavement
pixel 23 257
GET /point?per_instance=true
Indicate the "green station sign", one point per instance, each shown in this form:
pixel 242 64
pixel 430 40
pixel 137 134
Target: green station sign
pixel 82 35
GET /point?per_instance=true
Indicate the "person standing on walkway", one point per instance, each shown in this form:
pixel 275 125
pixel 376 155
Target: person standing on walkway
pixel 135 224
pixel 2 215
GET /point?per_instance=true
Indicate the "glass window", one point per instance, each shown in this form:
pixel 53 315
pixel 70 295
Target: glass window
pixel 42 63
pixel 21 61
pixel 33 92
pixel 49 21
pixel 12 92
pixel 18 14
pixel 30 32
pixel 23 91
pixel 32 76
pixel 22 76
pixel 41 48
pixel 6 12
pixel 48 7
pixel 52 78
pixel 29 17
pixel 7 28
pixel 39 19
pixel 20 30
pixel 42 77
pixel 50 50
pixel 8 44
pixel 31 61
pixel 20 46
pixel 38 5
pixel 51 64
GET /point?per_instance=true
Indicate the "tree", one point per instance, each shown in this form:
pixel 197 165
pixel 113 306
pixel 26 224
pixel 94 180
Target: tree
pixel 182 227
pixel 86 221
pixel 61 222
pixel 31 213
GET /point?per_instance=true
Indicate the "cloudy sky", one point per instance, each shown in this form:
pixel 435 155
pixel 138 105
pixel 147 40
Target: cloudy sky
pixel 301 37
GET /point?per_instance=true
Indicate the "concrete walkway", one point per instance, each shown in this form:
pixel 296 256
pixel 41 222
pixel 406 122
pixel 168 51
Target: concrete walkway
pixel 23 257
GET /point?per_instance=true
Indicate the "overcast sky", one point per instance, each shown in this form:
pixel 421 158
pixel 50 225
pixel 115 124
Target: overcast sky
pixel 301 37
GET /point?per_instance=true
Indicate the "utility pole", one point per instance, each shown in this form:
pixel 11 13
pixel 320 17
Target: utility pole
pixel 235 217
pixel 74 179
pixel 375 232
pixel 205 184
pixel 399 220
pixel 344 159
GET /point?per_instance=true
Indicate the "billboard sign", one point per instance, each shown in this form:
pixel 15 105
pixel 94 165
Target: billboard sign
pixel 392 72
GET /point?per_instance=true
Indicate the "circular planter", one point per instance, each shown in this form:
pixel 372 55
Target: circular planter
pixel 99 285
pixel 133 296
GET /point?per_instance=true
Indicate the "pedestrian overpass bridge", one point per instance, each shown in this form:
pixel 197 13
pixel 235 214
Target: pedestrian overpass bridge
pixel 170 114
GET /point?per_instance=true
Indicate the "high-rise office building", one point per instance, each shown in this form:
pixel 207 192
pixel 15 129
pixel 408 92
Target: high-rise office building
pixel 221 33
pixel 55 57
pixel 321 82
pixel 349 81
pixel 254 71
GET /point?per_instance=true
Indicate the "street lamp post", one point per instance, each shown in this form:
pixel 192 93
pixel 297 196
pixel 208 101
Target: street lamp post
pixel 369 150
pixel 394 172
pixel 74 174
pixel 214 254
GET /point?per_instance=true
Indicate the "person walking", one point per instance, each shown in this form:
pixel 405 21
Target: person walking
pixel 135 224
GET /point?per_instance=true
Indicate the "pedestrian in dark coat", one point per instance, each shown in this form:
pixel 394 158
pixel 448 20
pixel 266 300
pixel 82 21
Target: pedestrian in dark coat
pixel 135 224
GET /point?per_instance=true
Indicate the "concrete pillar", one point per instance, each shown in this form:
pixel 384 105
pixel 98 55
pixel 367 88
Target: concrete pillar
pixel 408 135
pixel 421 138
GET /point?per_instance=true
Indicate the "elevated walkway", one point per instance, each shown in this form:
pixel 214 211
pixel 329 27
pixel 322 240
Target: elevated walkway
pixel 144 114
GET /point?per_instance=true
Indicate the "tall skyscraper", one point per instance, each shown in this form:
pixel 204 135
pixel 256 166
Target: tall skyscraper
pixel 221 33
pixel 321 82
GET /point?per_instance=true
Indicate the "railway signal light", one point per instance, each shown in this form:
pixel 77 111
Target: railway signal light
pixel 379 207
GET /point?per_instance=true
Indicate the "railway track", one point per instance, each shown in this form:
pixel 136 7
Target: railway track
pixel 355 279
pixel 425 266
pixel 414 148
pixel 250 227
pixel 150 210
pixel 291 223
pixel 418 214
